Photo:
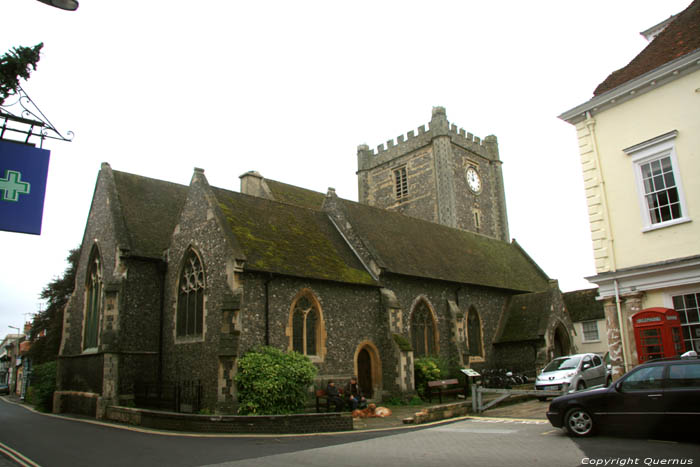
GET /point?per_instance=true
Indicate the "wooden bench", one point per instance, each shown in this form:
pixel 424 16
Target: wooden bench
pixel 322 396
pixel 446 386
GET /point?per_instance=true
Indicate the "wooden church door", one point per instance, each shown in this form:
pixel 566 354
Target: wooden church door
pixel 364 372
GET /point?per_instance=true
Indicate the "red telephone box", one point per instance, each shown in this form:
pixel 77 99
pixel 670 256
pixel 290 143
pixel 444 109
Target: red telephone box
pixel 657 332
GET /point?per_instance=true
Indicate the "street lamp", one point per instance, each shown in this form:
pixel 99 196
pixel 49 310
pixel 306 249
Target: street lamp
pixel 14 328
pixel 70 5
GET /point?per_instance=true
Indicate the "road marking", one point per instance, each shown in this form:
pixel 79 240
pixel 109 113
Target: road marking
pixel 498 431
pixel 17 457
pixel 550 432
pixel 519 421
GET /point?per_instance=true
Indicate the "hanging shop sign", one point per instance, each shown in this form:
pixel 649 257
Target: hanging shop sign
pixel 23 172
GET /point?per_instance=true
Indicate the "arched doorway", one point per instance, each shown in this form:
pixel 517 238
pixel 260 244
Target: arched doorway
pixel 561 343
pixel 364 372
pixel 368 369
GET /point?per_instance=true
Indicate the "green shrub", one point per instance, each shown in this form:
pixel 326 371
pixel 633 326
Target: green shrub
pixel 272 382
pixel 394 401
pixel 42 386
pixel 426 369
pixel 415 400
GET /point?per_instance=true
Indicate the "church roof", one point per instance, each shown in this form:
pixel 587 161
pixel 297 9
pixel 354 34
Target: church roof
pixel 288 239
pixel 526 317
pixel 583 306
pixel 293 236
pixel 414 247
pixel 295 195
pixel 150 210
pixel 679 38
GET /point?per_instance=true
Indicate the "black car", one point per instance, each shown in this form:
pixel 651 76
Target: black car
pixel 658 395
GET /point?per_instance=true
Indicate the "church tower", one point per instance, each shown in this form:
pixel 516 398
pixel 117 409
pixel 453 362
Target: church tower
pixel 441 174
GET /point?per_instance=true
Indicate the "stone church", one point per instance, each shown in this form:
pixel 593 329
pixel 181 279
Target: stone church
pixel 175 282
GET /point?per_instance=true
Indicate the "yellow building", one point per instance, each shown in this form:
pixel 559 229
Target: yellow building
pixel 639 141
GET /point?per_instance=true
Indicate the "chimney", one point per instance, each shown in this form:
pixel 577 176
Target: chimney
pixel 253 184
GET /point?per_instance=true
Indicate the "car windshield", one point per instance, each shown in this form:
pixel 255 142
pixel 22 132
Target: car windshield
pixel 563 363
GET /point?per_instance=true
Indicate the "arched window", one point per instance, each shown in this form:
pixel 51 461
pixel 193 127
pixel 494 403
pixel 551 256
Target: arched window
pixel 474 341
pixel 93 300
pixel 306 325
pixel 423 331
pixel 190 298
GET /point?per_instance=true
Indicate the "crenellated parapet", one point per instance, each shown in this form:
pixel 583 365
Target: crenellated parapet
pixel 439 126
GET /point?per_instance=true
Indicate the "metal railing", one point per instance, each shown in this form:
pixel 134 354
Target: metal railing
pixel 181 396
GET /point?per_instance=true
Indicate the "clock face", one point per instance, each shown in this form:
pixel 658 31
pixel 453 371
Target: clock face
pixel 473 180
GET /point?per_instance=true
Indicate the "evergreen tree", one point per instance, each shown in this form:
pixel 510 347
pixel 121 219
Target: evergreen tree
pixel 15 65
pixel 47 326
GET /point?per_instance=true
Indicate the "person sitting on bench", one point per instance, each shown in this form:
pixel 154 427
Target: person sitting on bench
pixel 353 395
pixel 333 396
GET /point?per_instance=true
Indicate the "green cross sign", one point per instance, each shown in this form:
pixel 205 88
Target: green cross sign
pixel 12 186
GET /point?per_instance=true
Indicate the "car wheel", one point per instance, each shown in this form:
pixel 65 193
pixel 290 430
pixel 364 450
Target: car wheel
pixel 580 386
pixel 579 422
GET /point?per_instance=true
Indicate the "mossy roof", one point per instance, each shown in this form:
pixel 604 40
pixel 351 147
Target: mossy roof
pixel 289 239
pixel 526 317
pixel 291 194
pixel 409 246
pixel 292 236
pixel 150 209
pixel 583 306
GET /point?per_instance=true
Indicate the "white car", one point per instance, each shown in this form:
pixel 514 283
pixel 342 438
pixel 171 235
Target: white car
pixel 573 373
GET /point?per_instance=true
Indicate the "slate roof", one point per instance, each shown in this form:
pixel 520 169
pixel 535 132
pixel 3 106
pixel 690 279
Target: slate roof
pixel 681 37
pixel 583 306
pixel 288 239
pixel 295 195
pixel 292 236
pixel 526 317
pixel 151 208
pixel 413 247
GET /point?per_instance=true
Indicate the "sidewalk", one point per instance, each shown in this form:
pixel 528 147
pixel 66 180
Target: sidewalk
pixel 529 409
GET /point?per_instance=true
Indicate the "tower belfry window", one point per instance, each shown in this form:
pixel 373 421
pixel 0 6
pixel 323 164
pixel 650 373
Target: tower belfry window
pixel 401 182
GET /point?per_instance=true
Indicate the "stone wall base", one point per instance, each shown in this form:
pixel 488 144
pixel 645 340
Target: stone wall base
pixel 441 412
pixel 75 402
pixel 270 424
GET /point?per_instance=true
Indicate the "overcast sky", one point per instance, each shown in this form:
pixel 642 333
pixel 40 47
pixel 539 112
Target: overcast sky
pixel 290 89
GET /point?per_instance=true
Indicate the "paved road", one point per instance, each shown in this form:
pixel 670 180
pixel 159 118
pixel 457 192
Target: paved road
pixel 488 443
pixel 56 441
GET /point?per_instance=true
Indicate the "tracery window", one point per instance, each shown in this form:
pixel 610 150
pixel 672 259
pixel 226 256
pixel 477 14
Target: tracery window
pixel 190 300
pixel 476 349
pixel 93 301
pixel 423 331
pixel 306 326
